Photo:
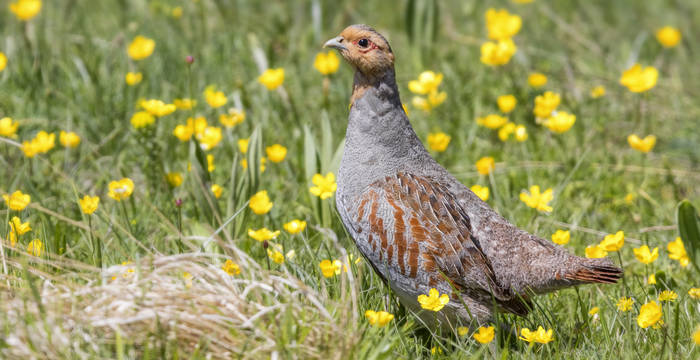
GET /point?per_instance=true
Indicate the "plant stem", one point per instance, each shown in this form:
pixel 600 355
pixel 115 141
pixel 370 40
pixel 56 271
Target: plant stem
pixel 179 229
pixel 126 216
pixel 96 243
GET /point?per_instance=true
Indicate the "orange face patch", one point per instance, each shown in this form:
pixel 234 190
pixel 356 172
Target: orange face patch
pixel 366 50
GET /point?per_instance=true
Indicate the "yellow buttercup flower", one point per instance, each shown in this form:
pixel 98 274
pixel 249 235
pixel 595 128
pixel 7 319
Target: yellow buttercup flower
pixel 485 334
pixel 625 304
pixel 232 118
pixel 523 1
pixel 497 53
pixel 378 318
pixel 649 314
pixel 68 139
pixel 598 91
pixel 211 166
pixel 8 128
pixel 142 119
pixel 438 141
pixel 276 153
pixel 260 203
pixel 214 98
pixel 644 255
pixel 428 81
pixel 188 279
pixel 642 145
pixel 17 200
pixel 537 80
pixel 492 121
pixel 327 63
pixel 520 133
pixel 243 145
pixel 244 164
pixel 13 239
pixel 184 103
pixel 613 242
pixel 88 204
pixel 141 47
pixel 176 12
pixel 638 79
pixel 217 190
pixel 330 268
pixel 502 25
pixel 435 98
pixel 295 226
pixel 560 122
pixel 18 227
pixel 595 310
pixel 25 9
pixel 561 237
pixel 506 103
pixel 194 126
pixel 209 138
pixel 40 144
pixel 231 267
pixel 174 179
pixel 668 36
pixel 263 234
pixel 676 251
pixel 537 200
pixel 668 295
pixel 696 336
pixel 157 107
pixel 433 301
pixel 35 247
pixel 3 61
pixel 545 104
pixel 485 165
pixel 325 185
pixel 651 280
pixel 276 256
pixel 120 189
pixel 538 336
pixel 481 191
pixel 595 252
pixel 272 78
pixel 505 131
pixel 694 293
pixel 133 78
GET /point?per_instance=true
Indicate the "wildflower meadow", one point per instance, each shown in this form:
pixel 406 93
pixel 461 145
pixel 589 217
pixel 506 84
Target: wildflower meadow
pixel 168 171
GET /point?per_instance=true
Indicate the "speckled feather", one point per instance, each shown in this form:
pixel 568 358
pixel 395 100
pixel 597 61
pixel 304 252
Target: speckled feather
pixel 420 228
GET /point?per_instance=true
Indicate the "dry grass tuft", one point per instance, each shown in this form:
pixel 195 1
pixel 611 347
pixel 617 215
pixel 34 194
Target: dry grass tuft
pixel 149 307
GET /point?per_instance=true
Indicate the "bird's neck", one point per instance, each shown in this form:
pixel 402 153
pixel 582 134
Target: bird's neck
pixel 379 140
pixel 384 82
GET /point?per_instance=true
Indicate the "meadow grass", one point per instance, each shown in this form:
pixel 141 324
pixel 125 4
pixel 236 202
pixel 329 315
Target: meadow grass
pixel 143 277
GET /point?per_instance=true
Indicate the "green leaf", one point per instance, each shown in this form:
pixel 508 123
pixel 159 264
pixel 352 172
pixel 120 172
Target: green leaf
pixel 326 142
pixel 687 218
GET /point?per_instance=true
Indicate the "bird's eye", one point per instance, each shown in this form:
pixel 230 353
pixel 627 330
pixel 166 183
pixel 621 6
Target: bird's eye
pixel 363 43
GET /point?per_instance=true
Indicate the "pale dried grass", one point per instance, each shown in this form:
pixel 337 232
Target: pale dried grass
pixel 257 314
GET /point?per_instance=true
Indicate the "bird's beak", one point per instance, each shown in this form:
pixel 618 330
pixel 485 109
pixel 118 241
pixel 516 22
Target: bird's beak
pixel 335 43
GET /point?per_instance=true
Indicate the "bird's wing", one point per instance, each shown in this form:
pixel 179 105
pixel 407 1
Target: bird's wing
pixel 415 225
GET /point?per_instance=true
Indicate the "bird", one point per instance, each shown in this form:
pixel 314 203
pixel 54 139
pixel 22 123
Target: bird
pixel 418 226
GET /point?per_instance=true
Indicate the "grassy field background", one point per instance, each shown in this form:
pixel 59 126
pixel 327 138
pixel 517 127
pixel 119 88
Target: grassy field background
pixel 143 278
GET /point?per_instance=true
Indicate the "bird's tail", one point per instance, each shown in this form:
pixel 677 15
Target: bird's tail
pixel 595 271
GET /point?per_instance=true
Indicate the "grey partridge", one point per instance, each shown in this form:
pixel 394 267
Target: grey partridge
pixel 418 226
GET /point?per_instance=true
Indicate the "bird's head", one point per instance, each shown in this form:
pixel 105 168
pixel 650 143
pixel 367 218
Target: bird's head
pixel 365 49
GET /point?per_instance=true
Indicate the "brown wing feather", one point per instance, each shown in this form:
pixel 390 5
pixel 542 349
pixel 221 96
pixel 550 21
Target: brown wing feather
pixel 414 226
